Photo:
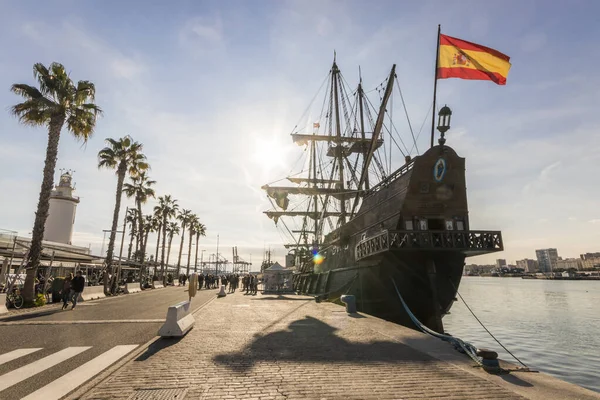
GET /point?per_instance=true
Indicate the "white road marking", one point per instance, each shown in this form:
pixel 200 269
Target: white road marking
pixel 86 322
pixel 70 381
pixel 13 355
pixel 18 375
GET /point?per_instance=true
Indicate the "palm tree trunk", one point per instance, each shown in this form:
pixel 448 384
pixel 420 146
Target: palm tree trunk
pixel 145 242
pixel 164 239
pixel 158 242
pixel 132 234
pixel 169 250
pixel 196 259
pixel 35 252
pixel 180 248
pixel 140 241
pixel 187 271
pixel 122 170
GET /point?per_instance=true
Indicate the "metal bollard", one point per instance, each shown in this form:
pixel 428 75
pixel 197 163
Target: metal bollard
pixel 350 302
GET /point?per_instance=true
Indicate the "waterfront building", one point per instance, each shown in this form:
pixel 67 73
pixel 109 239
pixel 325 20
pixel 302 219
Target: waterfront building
pixel 500 263
pixel 589 255
pixel 569 263
pixel 547 259
pixel 528 265
pixel 590 260
pixel 61 215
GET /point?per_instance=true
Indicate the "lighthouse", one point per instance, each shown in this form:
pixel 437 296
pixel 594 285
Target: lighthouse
pixel 61 215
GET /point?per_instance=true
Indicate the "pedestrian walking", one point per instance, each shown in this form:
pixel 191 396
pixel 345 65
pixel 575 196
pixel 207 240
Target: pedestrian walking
pixel 77 288
pixel 66 290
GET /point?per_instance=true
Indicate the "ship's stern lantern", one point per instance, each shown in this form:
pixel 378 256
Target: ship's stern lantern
pixel 444 117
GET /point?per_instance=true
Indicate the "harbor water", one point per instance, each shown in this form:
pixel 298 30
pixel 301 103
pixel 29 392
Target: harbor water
pixel 552 326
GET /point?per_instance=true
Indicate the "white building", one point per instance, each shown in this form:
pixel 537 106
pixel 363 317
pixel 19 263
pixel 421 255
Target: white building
pixel 61 215
pixel 569 263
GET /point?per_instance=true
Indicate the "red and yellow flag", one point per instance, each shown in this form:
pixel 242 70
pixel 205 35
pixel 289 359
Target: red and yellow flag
pixel 465 60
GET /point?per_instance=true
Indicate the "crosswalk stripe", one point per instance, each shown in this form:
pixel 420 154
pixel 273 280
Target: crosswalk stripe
pixel 70 381
pixel 18 375
pixel 13 355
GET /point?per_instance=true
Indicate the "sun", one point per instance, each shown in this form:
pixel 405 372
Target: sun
pixel 269 154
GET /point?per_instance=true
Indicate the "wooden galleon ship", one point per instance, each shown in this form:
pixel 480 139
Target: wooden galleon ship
pixel 364 217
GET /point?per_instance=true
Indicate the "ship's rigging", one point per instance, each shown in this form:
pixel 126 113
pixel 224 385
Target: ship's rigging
pixel 350 146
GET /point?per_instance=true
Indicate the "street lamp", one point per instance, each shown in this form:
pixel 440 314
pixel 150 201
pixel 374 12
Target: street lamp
pixel 444 117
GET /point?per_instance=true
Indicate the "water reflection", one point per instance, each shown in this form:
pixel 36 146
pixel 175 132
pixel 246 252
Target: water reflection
pixel 550 325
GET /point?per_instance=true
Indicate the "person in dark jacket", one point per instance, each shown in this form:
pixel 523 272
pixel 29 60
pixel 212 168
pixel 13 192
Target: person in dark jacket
pixel 77 287
pixel 66 290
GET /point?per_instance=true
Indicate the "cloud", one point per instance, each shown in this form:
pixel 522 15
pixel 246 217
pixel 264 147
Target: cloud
pixel 594 221
pixel 543 179
pixel 92 50
pixel 202 35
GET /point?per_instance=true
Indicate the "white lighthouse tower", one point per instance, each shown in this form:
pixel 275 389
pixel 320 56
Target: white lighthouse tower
pixel 61 215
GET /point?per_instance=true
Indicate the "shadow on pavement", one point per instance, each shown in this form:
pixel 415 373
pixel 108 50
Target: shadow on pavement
pixel 515 380
pixel 31 315
pixel 281 297
pixel 311 340
pixel 157 346
pixel 356 316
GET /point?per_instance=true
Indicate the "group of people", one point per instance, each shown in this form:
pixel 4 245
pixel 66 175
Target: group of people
pixel 230 281
pixel 208 281
pixel 250 284
pixel 233 280
pixel 72 289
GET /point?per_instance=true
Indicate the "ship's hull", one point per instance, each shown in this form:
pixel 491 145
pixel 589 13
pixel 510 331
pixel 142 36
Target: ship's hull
pixel 427 281
pixel 412 229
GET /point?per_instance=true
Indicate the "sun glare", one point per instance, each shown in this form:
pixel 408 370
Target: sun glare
pixel 269 154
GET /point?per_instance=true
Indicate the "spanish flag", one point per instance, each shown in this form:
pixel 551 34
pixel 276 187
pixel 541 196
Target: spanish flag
pixel 465 60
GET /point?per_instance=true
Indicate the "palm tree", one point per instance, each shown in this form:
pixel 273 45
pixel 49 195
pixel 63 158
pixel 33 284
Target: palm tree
pixel 140 188
pixel 158 217
pixel 125 156
pixel 149 225
pixel 57 101
pixel 169 209
pixel 192 228
pixel 131 220
pixel 173 230
pixel 200 230
pixel 183 217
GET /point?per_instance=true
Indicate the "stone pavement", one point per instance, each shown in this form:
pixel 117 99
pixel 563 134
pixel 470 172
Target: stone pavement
pixel 290 347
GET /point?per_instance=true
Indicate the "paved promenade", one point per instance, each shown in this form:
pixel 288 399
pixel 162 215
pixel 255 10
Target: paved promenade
pixel 289 347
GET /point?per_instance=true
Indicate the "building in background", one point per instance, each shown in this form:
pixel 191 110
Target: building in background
pixel 61 215
pixel 528 265
pixel 547 259
pixel 500 263
pixel 590 260
pixel 569 263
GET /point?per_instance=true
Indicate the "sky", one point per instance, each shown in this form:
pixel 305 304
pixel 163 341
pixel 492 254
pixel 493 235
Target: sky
pixel 213 89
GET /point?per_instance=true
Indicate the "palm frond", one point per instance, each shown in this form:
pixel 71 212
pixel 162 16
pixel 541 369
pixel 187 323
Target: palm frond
pixel 26 91
pixel 81 123
pixel 86 91
pixel 42 74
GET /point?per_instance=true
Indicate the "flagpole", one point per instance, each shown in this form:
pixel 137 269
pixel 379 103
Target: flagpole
pixel 437 57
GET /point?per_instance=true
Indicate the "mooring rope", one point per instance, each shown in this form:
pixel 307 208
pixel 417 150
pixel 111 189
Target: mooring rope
pixel 486 329
pixel 468 348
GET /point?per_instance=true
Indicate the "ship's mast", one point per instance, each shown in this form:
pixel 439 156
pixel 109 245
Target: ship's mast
pixel 339 148
pixel 376 132
pixel 362 124
pixel 315 185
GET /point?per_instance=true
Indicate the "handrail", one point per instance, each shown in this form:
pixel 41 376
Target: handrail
pixel 394 175
pixel 475 241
